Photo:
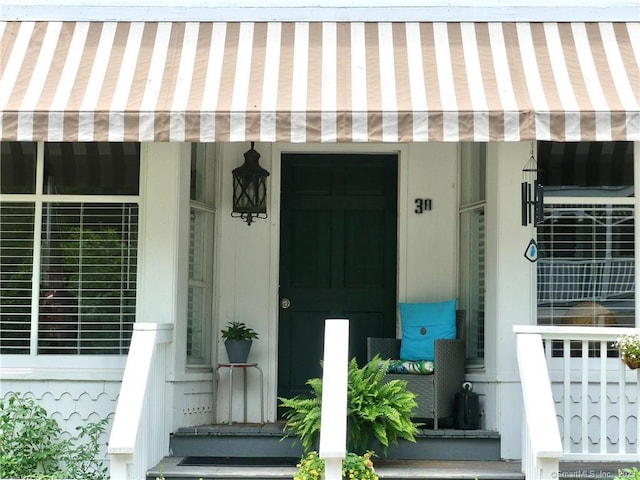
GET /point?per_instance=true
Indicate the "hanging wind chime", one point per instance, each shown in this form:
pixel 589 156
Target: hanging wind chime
pixel 532 202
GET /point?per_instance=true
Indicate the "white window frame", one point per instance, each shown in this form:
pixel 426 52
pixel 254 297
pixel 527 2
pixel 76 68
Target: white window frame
pixel 633 201
pixel 207 208
pixel 471 152
pixel 76 365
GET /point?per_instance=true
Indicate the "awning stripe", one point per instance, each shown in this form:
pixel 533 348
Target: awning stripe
pixel 328 88
pixel 213 80
pixel 504 84
pixel 319 82
pixel 417 91
pixel 621 54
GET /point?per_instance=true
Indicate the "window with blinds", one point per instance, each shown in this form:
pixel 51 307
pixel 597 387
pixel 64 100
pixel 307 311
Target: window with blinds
pixel 197 311
pixel 77 229
pixel 586 247
pixel 200 301
pixel 586 265
pixel 471 288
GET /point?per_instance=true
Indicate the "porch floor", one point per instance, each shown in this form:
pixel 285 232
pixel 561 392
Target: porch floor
pixel 390 469
pixel 201 453
pixel 169 468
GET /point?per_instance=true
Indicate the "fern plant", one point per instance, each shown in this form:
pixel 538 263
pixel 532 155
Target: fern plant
pixel 375 410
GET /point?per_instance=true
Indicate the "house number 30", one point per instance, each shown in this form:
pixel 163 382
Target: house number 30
pixel 422 205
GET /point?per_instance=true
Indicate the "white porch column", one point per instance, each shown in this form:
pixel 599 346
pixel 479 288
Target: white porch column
pixel 510 287
pixel 163 244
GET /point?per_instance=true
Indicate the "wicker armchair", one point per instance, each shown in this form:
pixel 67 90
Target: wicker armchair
pixel 435 393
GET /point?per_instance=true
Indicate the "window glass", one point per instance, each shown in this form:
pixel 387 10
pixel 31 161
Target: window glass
pixel 88 278
pixel 602 169
pixel 17 167
pixel 472 284
pixel 16 266
pixel 586 265
pixel 198 190
pixel 92 168
pixel 473 173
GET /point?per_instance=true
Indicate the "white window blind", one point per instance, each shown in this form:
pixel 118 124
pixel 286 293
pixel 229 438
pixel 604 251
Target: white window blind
pixel 472 284
pixel 586 266
pixel 88 278
pixel 197 314
pixel 16 267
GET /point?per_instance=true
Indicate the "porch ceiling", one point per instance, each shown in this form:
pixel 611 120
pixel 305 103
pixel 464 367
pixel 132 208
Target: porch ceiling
pixel 319 82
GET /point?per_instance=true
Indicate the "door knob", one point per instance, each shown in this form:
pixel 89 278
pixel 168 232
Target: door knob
pixel 285 303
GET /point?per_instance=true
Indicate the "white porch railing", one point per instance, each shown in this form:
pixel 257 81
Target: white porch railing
pixel 141 426
pixel 596 397
pixel 333 416
pixel 541 440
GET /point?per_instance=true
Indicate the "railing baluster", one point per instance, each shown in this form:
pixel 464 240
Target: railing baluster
pixel 603 397
pixel 622 400
pixel 637 412
pixel 585 397
pixel 566 415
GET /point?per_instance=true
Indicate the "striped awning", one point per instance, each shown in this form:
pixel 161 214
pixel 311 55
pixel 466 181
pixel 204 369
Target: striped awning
pixel 319 82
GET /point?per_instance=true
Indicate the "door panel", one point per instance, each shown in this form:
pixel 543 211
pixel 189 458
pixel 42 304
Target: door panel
pixel 337 257
pixel 364 249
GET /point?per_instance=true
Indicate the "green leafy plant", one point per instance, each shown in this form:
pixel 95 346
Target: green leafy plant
pixel 29 439
pixel 376 410
pixel 32 445
pixel 354 467
pixel 629 347
pixel 631 473
pixel 238 331
pixel 80 457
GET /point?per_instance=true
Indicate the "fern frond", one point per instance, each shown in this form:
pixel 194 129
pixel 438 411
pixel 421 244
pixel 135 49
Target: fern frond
pixel 375 410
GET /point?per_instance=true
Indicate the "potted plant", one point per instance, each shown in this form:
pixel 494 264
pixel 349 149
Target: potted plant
pixel 354 467
pixel 629 348
pixel 237 341
pixel 376 411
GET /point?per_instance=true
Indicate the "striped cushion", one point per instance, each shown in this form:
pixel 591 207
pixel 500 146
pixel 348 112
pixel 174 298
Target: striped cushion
pixel 418 367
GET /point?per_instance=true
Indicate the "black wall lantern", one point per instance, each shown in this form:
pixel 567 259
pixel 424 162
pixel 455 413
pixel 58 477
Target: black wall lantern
pixel 250 188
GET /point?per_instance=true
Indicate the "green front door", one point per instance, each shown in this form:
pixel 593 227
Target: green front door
pixel 337 257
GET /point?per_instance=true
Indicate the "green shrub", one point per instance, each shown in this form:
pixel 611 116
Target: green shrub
pixel 375 410
pixel 628 474
pixel 32 445
pixel 360 467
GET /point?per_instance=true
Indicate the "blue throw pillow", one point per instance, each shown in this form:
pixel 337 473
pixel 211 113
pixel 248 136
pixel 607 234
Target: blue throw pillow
pixel 422 323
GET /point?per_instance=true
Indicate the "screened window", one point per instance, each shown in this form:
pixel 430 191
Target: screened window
pixel 200 303
pixel 77 227
pixel 586 265
pixel 471 289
